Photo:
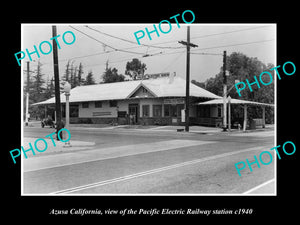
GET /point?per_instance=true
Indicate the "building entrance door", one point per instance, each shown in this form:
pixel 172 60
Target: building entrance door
pixel 174 114
pixel 133 113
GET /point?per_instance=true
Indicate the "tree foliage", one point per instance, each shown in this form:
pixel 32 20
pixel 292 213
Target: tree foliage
pixel 36 86
pixel 111 75
pixel 135 69
pixel 73 74
pixel 242 67
pixel 89 80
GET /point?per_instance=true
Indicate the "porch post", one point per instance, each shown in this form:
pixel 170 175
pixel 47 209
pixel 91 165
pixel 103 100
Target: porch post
pixel 229 113
pixel 45 112
pixel 245 118
pixel 264 117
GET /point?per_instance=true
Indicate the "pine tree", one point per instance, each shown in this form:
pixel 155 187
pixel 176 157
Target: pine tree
pixel 80 71
pixel 67 72
pixel 89 79
pixel 37 92
pixel 50 89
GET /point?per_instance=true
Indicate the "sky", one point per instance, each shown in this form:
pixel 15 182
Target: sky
pixel 93 49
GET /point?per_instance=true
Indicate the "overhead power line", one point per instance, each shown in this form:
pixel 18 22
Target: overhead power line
pixel 115 49
pixel 204 53
pixel 126 59
pixel 245 43
pixel 132 42
pixel 230 32
pixel 209 35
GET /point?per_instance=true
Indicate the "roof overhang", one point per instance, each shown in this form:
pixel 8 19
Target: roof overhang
pixel 233 101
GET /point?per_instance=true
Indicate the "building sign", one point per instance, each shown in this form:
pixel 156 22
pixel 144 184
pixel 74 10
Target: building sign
pixel 174 101
pixel 101 113
pixel 156 75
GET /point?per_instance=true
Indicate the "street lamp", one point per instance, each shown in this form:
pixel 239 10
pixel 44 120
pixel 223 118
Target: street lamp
pixel 67 89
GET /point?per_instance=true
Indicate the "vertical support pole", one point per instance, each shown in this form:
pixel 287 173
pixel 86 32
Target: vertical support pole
pixel 45 111
pixel 27 96
pixel 245 118
pixel 229 115
pixel 224 92
pixel 264 117
pixel 67 144
pixel 187 95
pixel 56 81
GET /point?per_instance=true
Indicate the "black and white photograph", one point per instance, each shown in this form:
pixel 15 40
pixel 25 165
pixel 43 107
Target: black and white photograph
pixel 169 108
pixel 149 111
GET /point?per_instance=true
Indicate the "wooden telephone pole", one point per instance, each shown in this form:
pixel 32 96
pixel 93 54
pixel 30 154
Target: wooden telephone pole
pixel 187 95
pixel 59 124
pixel 224 93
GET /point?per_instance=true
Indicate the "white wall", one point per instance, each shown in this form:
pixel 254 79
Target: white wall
pixel 91 111
pixel 109 112
pixel 150 102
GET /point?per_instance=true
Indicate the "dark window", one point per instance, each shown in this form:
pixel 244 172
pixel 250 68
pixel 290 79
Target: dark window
pixel 173 111
pixel 98 104
pixel 167 110
pixel 204 111
pixel 157 109
pixel 112 103
pixel 85 105
pixel 145 110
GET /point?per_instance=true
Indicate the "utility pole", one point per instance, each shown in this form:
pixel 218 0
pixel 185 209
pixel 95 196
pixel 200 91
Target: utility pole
pixel 187 94
pixel 27 96
pixel 59 124
pixel 224 93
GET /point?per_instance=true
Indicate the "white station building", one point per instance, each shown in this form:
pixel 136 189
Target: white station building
pixel 159 101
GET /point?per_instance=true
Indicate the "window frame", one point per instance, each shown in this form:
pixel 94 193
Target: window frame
pixel 154 106
pixel 85 105
pixel 145 108
pixel 97 104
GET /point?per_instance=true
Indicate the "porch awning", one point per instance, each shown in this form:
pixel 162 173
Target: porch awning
pixel 233 101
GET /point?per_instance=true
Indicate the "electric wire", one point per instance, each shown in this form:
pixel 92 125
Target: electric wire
pixel 222 46
pixel 132 42
pixel 116 49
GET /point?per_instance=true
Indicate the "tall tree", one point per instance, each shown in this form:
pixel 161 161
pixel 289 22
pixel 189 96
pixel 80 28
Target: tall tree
pixel 49 92
pixel 111 76
pixel 67 72
pixel 135 69
pixel 73 74
pixel 80 71
pixel 37 92
pixel 89 80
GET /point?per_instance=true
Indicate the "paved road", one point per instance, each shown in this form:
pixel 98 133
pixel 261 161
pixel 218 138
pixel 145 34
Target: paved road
pixel 150 162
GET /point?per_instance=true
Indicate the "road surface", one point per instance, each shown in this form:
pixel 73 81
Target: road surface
pixel 150 162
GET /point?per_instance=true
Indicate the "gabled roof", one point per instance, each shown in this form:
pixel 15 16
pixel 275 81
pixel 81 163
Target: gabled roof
pixel 160 87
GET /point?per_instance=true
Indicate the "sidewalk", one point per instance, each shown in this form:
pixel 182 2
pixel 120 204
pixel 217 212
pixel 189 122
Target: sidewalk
pixel 196 129
pixel 60 147
pixel 169 128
